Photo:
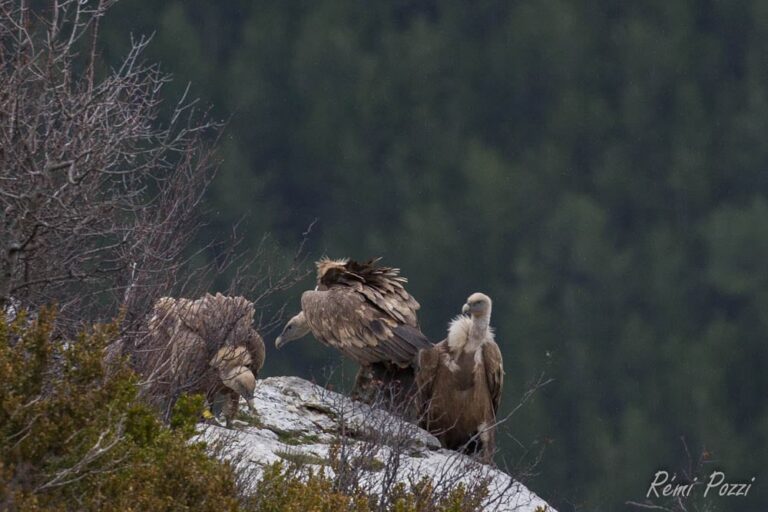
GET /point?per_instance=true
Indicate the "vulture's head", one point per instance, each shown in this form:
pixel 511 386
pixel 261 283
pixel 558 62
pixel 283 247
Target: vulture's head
pixel 478 304
pixel 242 381
pixel 296 328
pixel 232 365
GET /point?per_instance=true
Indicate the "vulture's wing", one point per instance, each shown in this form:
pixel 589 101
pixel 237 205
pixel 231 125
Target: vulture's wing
pixel 494 372
pixel 164 319
pixel 426 372
pixel 255 345
pixel 382 286
pixel 168 340
pixel 227 320
pixel 224 320
pixel 346 320
pixel 189 358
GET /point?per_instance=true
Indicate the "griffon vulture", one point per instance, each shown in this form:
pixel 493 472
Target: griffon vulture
pixel 233 365
pixel 363 310
pixel 205 346
pixel 460 381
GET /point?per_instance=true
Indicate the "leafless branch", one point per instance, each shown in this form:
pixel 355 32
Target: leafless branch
pixel 647 506
pixel 99 199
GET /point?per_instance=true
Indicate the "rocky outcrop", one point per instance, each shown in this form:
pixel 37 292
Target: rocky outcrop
pixel 300 422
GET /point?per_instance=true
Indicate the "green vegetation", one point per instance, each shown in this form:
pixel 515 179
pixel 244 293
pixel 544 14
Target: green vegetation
pixel 295 438
pixel 302 459
pixel 421 497
pixel 249 418
pixel 370 464
pixel 74 437
pixel 283 490
pixel 282 485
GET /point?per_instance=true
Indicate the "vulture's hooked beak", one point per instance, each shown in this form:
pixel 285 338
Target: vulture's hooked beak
pixel 280 342
pixel 465 309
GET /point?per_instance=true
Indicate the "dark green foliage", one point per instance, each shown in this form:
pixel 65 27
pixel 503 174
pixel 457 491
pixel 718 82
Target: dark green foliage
pixel 283 488
pixel 186 413
pixel 599 168
pixel 74 437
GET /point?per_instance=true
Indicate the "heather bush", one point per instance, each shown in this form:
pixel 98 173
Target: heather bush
pixel 74 436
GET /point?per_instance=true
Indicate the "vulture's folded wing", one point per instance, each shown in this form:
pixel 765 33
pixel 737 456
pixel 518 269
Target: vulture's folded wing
pixel 494 372
pixel 394 300
pixel 345 319
pixel 381 286
pixel 189 357
pixel 426 372
pixel 224 319
pixel 255 345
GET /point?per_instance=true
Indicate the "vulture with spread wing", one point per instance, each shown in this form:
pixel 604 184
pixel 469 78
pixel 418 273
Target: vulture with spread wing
pixel 459 382
pixel 363 311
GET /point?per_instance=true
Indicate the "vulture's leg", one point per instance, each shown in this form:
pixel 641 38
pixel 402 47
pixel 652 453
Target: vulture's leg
pixel 487 443
pixel 473 446
pixel 372 385
pixel 218 402
pixel 389 387
pixel 394 389
pixel 230 407
pixel 364 381
pixel 403 389
pixel 214 403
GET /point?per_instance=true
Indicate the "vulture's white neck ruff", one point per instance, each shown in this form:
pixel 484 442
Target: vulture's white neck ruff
pixel 458 332
pixel 468 333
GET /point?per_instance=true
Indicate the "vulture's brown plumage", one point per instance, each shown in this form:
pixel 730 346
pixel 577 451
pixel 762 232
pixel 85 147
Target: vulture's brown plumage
pixel 204 346
pixel 363 311
pixel 460 381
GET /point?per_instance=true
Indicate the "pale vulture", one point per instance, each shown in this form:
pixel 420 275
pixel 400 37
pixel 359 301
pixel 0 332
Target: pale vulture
pixel 205 346
pixel 460 381
pixel 363 311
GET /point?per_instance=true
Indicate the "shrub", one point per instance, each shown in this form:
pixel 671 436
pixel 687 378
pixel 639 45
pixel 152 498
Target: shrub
pixel 75 437
pixel 288 488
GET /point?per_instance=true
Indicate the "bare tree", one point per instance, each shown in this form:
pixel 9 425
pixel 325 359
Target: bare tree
pixel 98 198
pixel 101 189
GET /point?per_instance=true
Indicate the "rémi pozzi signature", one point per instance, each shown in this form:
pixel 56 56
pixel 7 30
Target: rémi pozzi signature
pixel 664 486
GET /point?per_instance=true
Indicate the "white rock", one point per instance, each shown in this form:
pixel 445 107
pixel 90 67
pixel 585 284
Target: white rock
pixel 298 420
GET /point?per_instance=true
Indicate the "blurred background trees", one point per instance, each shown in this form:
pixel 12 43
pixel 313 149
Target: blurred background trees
pixel 599 168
